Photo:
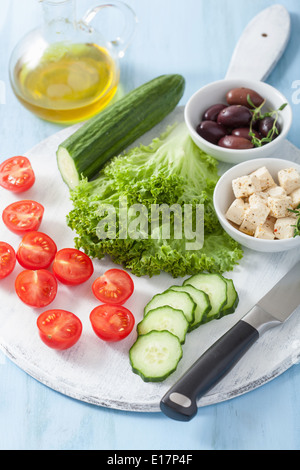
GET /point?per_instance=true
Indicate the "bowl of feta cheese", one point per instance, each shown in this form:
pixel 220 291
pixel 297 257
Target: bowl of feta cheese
pixel 258 204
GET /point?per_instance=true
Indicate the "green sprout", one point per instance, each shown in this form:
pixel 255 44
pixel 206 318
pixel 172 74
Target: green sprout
pixel 258 115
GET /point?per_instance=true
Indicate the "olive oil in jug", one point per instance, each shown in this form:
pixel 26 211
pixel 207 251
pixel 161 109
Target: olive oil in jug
pixel 65 71
pixel 70 83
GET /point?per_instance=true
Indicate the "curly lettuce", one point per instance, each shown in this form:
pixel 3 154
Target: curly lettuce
pixel 171 170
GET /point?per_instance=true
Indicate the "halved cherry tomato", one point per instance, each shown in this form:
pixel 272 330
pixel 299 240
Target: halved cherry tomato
pixel 16 174
pixel 113 287
pixel 36 251
pixel 112 322
pixel 7 260
pixel 59 329
pixel 36 288
pixel 72 266
pixel 23 216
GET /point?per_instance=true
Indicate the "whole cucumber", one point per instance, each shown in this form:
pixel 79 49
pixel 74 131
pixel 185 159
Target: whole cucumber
pixel 109 133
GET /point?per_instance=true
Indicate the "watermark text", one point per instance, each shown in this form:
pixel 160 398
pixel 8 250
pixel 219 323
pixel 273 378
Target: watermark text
pixel 2 92
pixel 158 222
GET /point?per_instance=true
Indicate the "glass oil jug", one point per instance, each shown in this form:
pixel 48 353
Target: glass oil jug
pixel 65 71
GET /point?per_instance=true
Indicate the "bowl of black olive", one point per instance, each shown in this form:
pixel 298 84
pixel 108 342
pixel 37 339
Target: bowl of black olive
pixel 238 120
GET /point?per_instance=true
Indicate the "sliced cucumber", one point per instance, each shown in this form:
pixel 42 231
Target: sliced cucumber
pixel 232 298
pixel 178 300
pixel 155 356
pixel 215 287
pixel 165 318
pixel 203 305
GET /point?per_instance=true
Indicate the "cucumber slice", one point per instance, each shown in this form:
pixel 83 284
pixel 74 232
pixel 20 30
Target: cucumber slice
pixel 155 356
pixel 165 318
pixel 203 305
pixel 178 300
pixel 232 298
pixel 215 287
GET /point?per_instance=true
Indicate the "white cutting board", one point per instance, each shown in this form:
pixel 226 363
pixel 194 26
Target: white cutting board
pixel 99 373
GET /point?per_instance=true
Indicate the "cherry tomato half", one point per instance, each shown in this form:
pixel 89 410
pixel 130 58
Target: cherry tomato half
pixel 7 260
pixel 36 288
pixel 112 322
pixel 36 251
pixel 59 329
pixel 16 174
pixel 114 287
pixel 23 216
pixel 72 266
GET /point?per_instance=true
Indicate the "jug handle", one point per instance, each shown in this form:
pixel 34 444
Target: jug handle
pixel 121 43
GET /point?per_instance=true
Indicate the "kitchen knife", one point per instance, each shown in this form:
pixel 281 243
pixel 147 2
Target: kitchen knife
pixel 180 402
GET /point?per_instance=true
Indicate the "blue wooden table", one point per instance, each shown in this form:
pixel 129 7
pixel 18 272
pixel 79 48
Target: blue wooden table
pixel 195 38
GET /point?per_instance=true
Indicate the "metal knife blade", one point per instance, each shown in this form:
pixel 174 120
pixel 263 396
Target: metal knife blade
pixel 284 298
pixel 180 402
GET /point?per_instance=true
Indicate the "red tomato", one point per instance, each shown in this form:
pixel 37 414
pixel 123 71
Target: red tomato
pixel 36 251
pixel 7 260
pixel 114 287
pixel 23 216
pixel 16 174
pixel 59 329
pixel 72 266
pixel 36 288
pixel 112 322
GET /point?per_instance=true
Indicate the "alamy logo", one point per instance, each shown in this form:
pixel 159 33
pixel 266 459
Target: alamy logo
pixel 2 92
pixel 159 222
pixel 296 94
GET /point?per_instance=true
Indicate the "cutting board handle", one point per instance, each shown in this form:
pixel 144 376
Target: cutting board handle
pixel 261 45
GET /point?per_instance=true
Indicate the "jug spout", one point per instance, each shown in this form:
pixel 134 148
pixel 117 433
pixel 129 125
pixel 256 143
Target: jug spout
pixel 58 15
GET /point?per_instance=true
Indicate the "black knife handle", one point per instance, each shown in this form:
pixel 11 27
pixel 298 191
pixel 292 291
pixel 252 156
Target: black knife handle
pixel 180 402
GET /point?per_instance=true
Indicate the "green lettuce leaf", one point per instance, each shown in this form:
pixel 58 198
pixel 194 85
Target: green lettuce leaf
pixel 171 170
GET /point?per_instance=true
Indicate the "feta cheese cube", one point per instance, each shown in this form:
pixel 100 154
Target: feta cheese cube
pixel 264 232
pixel 289 179
pixel 263 196
pixel 279 207
pixel 264 177
pixel 270 223
pixel 276 192
pixel 258 198
pixel 295 195
pixel 257 214
pixel 247 227
pixel 236 212
pixel 245 186
pixel 284 228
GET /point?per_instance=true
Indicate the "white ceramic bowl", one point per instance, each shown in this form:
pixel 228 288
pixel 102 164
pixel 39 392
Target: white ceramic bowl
pixel 224 197
pixel 215 93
